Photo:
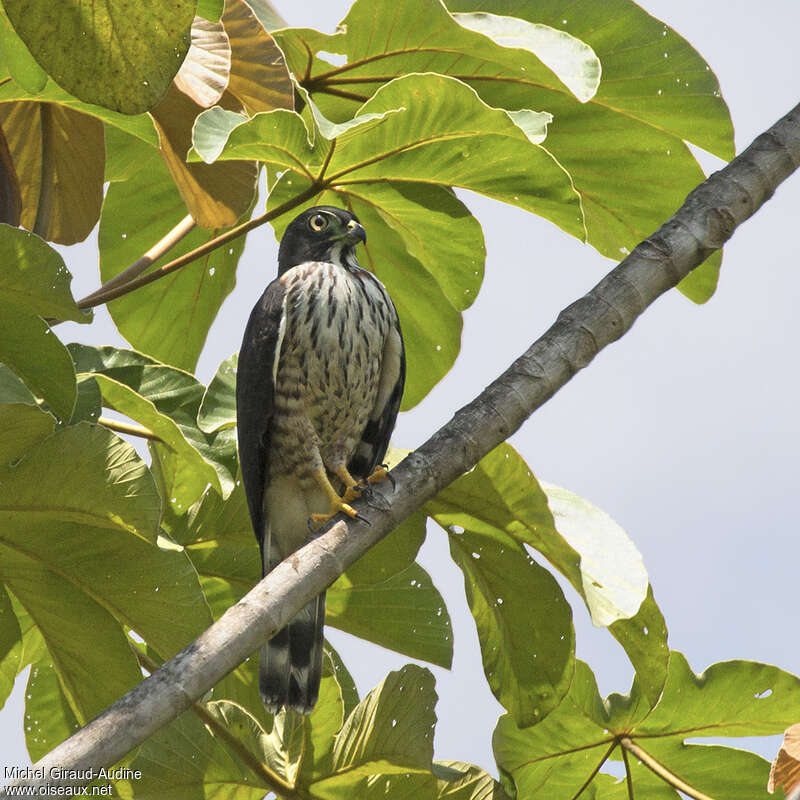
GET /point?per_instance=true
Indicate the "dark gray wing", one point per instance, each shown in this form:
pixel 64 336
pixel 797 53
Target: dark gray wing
pixel 255 396
pixel 375 439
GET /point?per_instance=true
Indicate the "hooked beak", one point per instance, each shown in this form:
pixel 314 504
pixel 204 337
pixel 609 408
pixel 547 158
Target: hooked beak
pixel 355 233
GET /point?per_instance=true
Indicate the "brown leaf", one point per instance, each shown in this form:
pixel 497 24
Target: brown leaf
pixel 203 76
pixel 259 77
pixel 59 157
pixel 785 770
pixel 216 195
pixel 10 200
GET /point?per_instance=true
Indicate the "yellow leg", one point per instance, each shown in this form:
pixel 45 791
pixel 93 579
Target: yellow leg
pixel 337 503
pixel 352 490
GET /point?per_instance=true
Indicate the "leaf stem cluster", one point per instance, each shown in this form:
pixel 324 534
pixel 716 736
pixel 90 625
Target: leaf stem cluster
pixel 627 745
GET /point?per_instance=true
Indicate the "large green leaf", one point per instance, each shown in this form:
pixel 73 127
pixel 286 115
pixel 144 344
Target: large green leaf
pixel 34 353
pixel 170 318
pixel 50 519
pixel 33 277
pixel 389 732
pixel 524 624
pixel 738 698
pixel 78 554
pixel 384 40
pixel 392 554
pixel 640 55
pixel 404 613
pixel 724 772
pixel 655 92
pixel 165 400
pixel 113 53
pixel 501 497
pixel 33 645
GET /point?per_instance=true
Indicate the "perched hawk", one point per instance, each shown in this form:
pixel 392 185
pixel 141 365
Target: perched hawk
pixel 319 382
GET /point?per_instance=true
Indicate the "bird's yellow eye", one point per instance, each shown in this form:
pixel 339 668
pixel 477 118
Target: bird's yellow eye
pixel 318 222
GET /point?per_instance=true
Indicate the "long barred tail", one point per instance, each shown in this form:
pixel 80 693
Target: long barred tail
pixel 291 662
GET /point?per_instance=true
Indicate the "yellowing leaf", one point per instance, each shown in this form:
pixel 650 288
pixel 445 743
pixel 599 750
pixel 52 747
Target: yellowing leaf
pixel 259 78
pixel 59 156
pixel 216 195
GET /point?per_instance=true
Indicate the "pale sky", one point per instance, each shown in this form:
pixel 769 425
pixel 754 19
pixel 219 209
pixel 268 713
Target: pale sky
pixel 686 431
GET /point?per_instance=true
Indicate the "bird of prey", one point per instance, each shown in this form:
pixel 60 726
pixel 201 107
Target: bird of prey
pixel 318 386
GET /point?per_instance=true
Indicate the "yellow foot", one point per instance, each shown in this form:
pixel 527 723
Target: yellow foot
pixel 379 474
pixel 341 505
pixel 337 503
pixel 352 493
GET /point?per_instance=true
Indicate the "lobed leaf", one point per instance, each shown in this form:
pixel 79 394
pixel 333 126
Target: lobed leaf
pixel 655 92
pixel 75 552
pixel 561 755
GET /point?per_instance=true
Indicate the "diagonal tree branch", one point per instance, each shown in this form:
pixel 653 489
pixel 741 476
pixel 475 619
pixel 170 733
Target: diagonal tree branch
pixel 703 224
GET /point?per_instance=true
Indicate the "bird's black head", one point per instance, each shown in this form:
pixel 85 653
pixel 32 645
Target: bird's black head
pixel 321 233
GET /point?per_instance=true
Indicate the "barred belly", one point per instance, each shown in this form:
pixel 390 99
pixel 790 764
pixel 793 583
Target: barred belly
pixel 329 367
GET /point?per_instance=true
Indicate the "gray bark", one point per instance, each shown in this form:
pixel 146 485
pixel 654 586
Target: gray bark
pixel 703 224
